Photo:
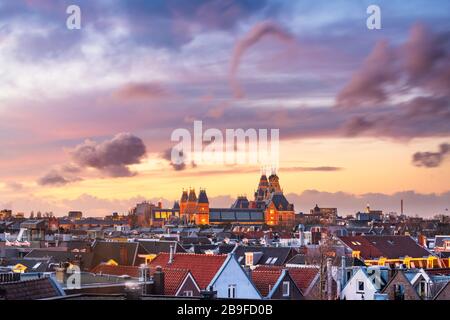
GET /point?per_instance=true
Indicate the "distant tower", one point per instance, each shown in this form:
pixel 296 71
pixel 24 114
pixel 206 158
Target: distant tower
pixel 274 183
pixel 262 190
pixel 183 202
pixel 202 212
pixel 401 207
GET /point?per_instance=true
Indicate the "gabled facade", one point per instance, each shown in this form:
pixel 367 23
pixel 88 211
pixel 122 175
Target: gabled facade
pixel 194 210
pixel 444 293
pixel 359 287
pixel 233 282
pixel 276 284
pixel 400 288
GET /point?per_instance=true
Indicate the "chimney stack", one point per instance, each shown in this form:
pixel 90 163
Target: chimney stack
pixel 343 273
pixel 133 291
pixel 144 277
pixel 301 234
pixel 171 254
pixel 60 273
pixel 158 278
pixel 329 279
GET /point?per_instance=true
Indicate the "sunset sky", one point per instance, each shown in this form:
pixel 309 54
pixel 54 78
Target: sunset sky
pixel 364 115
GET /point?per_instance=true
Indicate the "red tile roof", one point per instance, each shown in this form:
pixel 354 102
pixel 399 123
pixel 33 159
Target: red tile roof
pixel 173 278
pixel 265 279
pixel 202 266
pixel 302 277
pixel 391 247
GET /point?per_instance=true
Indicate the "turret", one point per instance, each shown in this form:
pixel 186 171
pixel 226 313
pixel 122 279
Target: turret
pixel 183 202
pixel 202 214
pixel 192 198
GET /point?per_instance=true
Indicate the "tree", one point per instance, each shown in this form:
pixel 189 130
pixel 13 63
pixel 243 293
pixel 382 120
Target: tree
pixel 319 257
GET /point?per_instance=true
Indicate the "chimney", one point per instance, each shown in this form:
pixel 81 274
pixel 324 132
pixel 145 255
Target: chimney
pixel 158 278
pixel 133 290
pixel 329 279
pixel 144 277
pixel 343 273
pixel 60 273
pixel 301 235
pixel 159 204
pixel 209 294
pixel 171 254
pixel 401 206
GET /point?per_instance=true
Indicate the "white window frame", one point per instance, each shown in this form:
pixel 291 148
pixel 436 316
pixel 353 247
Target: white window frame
pixel 286 289
pixel 357 286
pixel 232 291
pixel 188 293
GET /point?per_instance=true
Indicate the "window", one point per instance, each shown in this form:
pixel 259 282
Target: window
pixel 232 291
pixel 274 260
pixel 399 292
pixel 189 293
pixel 36 265
pixel 268 261
pixel 422 289
pixel 248 258
pixel 286 289
pixel 360 286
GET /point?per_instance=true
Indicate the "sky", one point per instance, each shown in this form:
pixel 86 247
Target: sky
pixel 87 115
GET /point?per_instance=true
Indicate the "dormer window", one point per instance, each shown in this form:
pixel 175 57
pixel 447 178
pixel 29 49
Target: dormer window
pixel 249 258
pixel 286 289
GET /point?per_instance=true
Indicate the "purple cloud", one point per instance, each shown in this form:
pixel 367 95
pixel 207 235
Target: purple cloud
pixel 53 178
pixel 431 159
pixel 112 156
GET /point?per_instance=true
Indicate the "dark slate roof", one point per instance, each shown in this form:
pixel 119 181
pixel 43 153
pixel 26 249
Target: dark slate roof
pixel 201 248
pixel 124 253
pixel 202 197
pixel 241 203
pixel 59 256
pixel 229 215
pixel 76 244
pixel 100 222
pixel 226 248
pixel 176 205
pixel 280 201
pixel 156 247
pixel 298 259
pixel 192 197
pixel 184 196
pixel 32 264
pixel 194 240
pixel 282 254
pixel 30 290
